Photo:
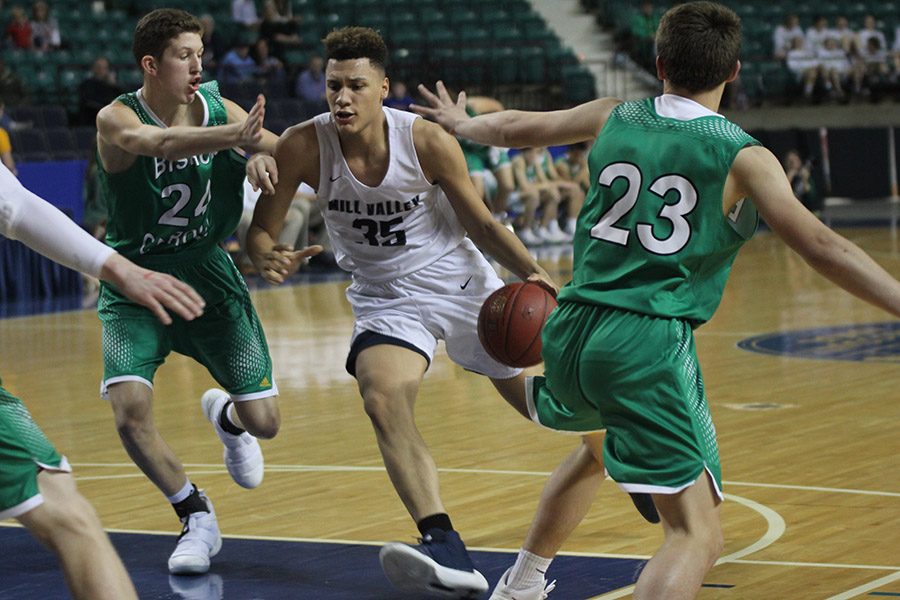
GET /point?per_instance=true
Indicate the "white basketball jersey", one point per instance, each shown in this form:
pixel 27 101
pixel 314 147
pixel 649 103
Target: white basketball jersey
pixel 384 232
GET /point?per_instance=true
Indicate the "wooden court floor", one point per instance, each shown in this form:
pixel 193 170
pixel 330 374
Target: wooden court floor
pixel 810 448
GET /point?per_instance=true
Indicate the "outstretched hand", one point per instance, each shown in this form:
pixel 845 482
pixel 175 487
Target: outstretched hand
pixel 156 291
pixel 250 132
pixel 283 261
pixel 443 110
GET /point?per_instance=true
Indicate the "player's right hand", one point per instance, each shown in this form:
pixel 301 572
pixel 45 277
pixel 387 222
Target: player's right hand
pixel 250 132
pixel 283 261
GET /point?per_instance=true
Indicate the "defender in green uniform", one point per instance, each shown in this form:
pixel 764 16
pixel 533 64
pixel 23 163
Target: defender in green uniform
pixel 675 190
pixel 173 183
pixel 36 483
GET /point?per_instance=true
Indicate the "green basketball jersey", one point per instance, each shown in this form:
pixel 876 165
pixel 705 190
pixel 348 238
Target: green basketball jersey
pixel 651 237
pixel 165 212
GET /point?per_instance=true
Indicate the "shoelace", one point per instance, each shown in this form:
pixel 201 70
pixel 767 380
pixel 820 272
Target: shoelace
pixel 550 587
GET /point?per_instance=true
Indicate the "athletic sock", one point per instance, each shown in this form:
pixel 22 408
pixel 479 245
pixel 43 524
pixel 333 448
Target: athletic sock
pixel 437 521
pixel 225 421
pixel 190 504
pixel 529 571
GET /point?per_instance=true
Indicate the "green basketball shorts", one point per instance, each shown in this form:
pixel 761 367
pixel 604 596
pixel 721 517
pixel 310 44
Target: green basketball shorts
pixel 228 339
pixel 638 377
pixel 24 451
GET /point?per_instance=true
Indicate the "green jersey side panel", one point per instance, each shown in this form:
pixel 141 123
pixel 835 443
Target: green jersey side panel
pixel 165 211
pixel 651 237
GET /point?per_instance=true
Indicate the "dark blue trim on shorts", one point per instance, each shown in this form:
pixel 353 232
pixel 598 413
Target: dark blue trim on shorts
pixel 367 339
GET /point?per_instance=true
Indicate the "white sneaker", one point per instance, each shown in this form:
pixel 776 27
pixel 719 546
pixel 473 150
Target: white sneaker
pixel 552 234
pixel 529 238
pixel 199 541
pixel 538 592
pixel 243 456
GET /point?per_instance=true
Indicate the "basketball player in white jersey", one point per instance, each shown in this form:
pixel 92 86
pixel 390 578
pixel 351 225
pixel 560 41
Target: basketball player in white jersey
pixel 36 483
pixel 398 203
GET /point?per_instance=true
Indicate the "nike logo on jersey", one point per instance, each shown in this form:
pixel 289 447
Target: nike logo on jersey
pixel 466 284
pixel 335 178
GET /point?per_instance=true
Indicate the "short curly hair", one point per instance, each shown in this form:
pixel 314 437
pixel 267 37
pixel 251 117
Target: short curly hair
pixel 157 28
pixel 348 43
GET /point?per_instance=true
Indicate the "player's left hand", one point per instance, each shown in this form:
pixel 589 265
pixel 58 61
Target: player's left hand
pixel 443 110
pixel 544 280
pixel 283 261
pixel 262 172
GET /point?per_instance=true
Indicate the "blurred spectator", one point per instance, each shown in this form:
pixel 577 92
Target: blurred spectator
pixel 847 38
pixel 817 34
pixel 310 87
pixel 214 47
pixel 873 72
pixel 835 67
pixel 570 193
pixel 536 192
pixel 870 30
pixel 799 173
pixel 19 29
pixel 6 121
pixel 95 92
pixel 573 165
pixel 802 62
pixel 784 36
pixel 643 32
pixel 280 27
pixel 237 65
pixel 243 12
pixel 895 52
pixel 269 70
pixel 12 89
pixel 6 156
pixel 398 97
pixel 44 28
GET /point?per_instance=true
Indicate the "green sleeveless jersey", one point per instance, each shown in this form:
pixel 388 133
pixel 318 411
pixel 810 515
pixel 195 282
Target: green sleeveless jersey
pixel 169 212
pixel 652 237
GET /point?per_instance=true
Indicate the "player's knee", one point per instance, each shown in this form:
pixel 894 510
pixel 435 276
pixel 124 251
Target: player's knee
pixel 64 518
pixel 133 426
pixel 385 409
pixel 266 427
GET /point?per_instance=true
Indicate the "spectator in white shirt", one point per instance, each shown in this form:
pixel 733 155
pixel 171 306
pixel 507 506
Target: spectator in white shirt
pixel 803 63
pixel 244 13
pixel 783 37
pixel 816 35
pixel 870 30
pixel 847 38
pixel 835 66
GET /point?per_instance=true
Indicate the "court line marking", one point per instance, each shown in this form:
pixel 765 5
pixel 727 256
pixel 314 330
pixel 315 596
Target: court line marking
pixel 862 589
pixel 775 528
pixel 215 468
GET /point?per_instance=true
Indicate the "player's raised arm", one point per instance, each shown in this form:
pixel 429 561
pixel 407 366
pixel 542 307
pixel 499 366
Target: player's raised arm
pixel 264 173
pixel 44 228
pixel 118 126
pixel 297 158
pixel 443 162
pixel 760 177
pixel 515 128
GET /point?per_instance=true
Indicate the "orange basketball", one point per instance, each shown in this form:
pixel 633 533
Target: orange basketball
pixel 511 320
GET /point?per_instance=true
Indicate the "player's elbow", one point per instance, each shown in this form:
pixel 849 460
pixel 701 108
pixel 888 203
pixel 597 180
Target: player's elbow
pixel 822 250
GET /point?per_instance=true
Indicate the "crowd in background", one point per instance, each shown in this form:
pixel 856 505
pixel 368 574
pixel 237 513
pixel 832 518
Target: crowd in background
pixel 833 60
